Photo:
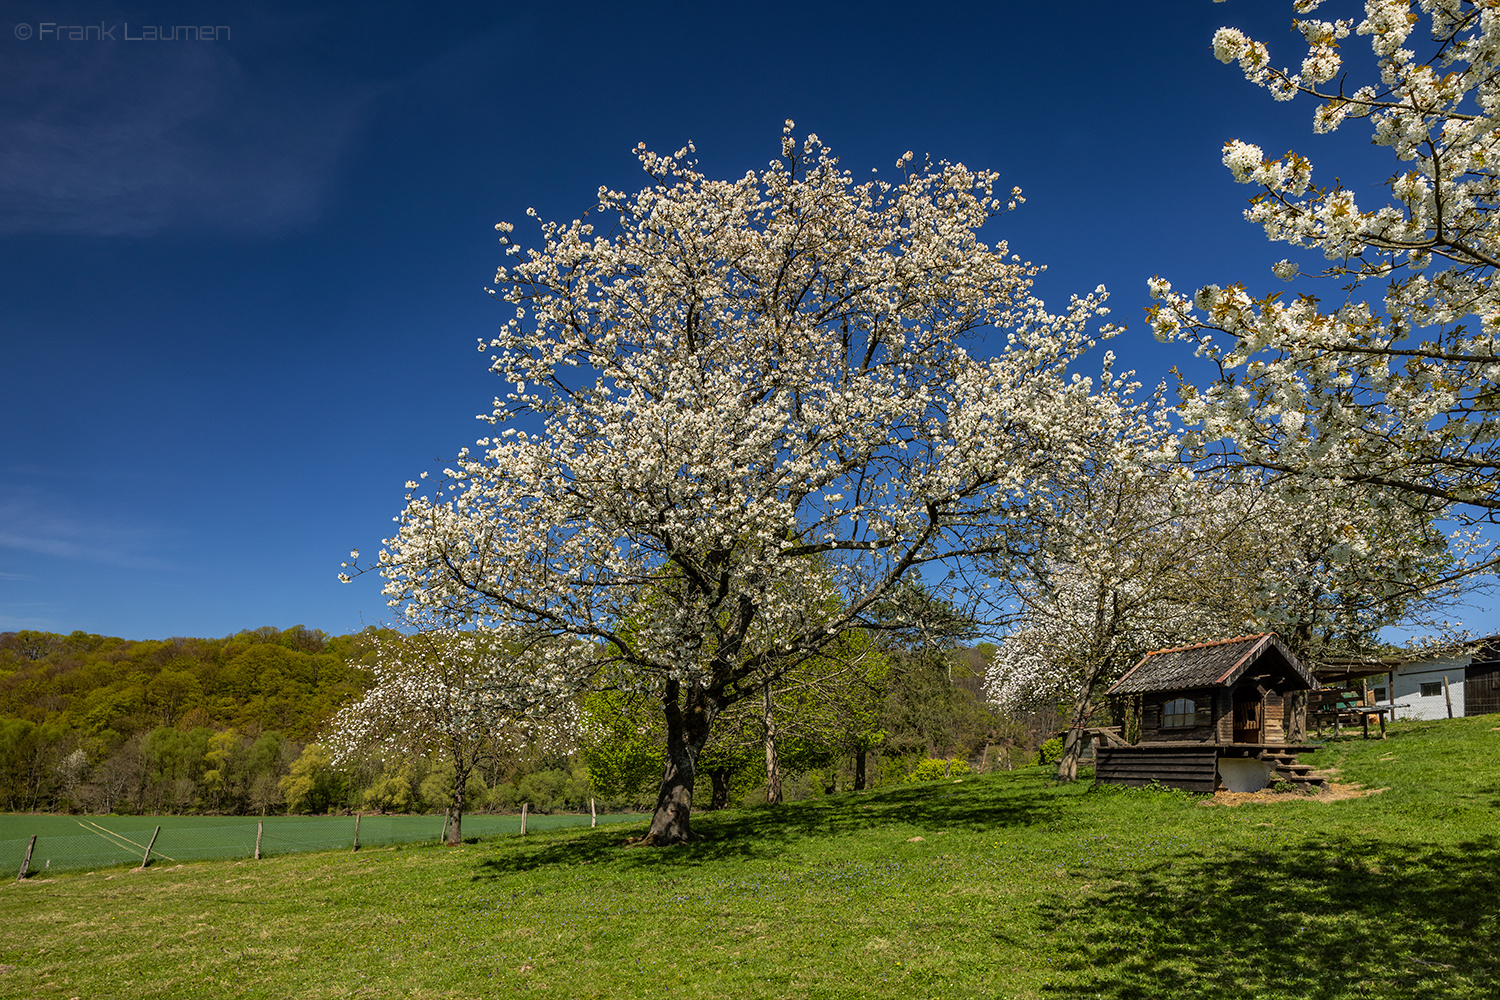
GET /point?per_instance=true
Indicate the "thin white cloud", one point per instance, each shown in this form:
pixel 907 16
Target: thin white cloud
pixel 17 616
pixel 35 523
pixel 112 138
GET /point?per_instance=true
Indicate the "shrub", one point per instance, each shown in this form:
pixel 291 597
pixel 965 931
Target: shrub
pixel 1050 752
pixel 932 769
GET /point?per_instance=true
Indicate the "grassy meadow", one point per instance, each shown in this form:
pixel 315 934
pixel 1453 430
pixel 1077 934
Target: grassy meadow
pixel 998 886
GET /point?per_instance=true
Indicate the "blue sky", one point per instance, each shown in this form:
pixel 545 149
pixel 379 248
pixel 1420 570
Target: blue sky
pixel 241 281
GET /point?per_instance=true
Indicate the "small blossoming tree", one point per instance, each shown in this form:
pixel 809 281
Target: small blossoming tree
pixel 763 401
pixel 461 697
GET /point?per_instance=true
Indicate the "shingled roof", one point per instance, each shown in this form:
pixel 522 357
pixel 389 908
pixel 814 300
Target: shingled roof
pixel 1208 664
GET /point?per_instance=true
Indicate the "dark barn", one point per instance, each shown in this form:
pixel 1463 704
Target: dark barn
pixel 1227 714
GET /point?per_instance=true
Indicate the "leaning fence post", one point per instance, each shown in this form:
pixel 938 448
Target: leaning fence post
pixel 146 858
pixel 524 806
pixel 356 832
pixel 260 827
pixel 26 861
pixel 593 817
pixel 1447 696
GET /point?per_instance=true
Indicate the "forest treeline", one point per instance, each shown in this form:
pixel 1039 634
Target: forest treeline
pixel 233 725
pixel 106 724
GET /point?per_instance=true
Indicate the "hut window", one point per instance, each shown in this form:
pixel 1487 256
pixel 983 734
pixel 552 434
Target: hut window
pixel 1179 713
pixel 1431 689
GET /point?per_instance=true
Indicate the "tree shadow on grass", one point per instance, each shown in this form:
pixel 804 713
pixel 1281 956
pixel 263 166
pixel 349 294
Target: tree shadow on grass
pixel 1315 920
pixel 768 831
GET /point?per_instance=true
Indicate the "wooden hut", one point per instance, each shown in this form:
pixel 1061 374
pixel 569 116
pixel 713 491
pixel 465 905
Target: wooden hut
pixel 1220 714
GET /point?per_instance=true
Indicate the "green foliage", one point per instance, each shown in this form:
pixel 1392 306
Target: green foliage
pixel 312 784
pixel 395 791
pixel 622 743
pixel 1051 751
pixel 931 770
pixel 290 681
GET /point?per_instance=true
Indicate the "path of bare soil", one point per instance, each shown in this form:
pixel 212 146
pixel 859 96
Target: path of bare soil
pixel 1333 793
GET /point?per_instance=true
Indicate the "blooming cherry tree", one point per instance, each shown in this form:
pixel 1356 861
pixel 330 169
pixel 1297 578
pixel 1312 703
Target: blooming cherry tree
pixel 459 696
pixel 1397 385
pixel 762 401
pixel 1152 559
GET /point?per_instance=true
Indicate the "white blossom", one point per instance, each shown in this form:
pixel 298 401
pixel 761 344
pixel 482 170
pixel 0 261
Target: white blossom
pixel 1395 382
pixel 745 379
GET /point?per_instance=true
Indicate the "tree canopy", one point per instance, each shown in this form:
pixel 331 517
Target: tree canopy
pixel 743 379
pixel 1397 384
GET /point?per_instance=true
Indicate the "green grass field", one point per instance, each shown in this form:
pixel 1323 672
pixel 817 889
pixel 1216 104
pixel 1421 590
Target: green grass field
pixel 1001 886
pixel 75 843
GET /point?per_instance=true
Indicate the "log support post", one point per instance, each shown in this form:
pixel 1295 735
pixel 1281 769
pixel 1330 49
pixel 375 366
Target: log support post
pixel 146 858
pixel 26 860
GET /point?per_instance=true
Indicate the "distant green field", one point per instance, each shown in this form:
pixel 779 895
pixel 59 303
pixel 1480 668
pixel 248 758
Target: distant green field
pixel 70 843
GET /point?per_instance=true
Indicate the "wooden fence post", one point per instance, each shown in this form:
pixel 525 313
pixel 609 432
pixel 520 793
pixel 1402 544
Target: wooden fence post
pixel 26 861
pixel 260 826
pixel 524 807
pixel 593 817
pixel 356 832
pixel 1447 696
pixel 146 858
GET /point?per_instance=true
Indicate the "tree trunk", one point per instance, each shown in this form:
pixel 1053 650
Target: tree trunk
pixel 1295 708
pixel 687 732
pixel 1067 767
pixel 859 770
pixel 1106 622
pixel 720 778
pixel 674 803
pixel 456 812
pixel 773 766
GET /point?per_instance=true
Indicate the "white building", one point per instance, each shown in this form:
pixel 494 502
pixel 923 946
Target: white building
pixel 1425 687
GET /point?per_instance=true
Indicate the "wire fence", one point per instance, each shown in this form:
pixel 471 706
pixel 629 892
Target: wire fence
pixel 105 842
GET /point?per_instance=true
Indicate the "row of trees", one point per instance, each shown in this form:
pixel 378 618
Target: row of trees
pixel 466 702
pixel 740 424
pixel 424 732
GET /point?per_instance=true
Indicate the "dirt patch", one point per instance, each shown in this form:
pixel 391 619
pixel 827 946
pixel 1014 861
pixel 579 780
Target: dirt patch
pixel 1333 793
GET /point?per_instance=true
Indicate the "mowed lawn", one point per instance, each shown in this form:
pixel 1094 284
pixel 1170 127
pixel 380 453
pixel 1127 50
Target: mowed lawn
pixel 1001 886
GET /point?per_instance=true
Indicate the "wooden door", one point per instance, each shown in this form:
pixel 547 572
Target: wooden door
pixel 1249 718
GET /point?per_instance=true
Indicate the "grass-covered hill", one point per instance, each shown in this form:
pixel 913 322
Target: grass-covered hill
pixel 100 723
pixel 108 689
pixel 1000 886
